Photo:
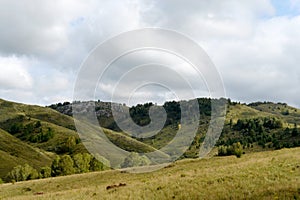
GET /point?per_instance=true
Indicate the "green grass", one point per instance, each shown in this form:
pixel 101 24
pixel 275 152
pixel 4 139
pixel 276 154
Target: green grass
pixel 128 143
pixel 240 111
pixel 15 152
pixel 279 110
pixel 264 175
pixel 11 110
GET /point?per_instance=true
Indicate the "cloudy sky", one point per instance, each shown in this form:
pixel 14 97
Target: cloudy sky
pixel 254 44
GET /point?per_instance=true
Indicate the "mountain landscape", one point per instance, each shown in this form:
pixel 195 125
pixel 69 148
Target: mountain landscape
pixel 40 136
pixel 149 99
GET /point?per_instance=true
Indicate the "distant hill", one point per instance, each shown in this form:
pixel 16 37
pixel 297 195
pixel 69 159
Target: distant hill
pixel 252 125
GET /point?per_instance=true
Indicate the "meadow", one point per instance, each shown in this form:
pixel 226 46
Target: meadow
pixel 260 175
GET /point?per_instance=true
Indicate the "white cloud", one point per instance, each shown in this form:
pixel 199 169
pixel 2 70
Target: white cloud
pixel 264 66
pixel 14 74
pixel 256 51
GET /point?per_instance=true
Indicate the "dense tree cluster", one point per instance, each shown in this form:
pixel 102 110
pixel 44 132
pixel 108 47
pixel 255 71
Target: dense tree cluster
pixel 265 132
pixel 32 132
pixel 140 112
pixel 61 165
pixel 257 124
pixel 55 106
pixel 79 163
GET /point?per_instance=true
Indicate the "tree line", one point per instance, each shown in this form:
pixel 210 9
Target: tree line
pixel 61 165
pixel 68 165
pixel 263 131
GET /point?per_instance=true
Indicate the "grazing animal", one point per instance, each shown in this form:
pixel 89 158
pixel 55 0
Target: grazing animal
pixel 115 186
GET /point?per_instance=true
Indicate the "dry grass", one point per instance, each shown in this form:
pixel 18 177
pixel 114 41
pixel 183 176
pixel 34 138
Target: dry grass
pixel 264 175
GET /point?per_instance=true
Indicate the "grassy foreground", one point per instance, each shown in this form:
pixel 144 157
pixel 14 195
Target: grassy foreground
pixel 264 175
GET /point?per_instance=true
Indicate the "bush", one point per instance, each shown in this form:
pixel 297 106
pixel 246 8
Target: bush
pixel 135 160
pixel 22 173
pixel 235 149
pixel 66 165
pixel 82 162
pixel 45 172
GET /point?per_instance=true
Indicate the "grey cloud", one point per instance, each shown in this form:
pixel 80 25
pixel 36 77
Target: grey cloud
pixel 265 66
pixel 256 52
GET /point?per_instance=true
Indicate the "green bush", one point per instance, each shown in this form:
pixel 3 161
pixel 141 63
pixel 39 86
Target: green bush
pixel 79 163
pixel 22 173
pixel 235 149
pixel 82 162
pixel 45 172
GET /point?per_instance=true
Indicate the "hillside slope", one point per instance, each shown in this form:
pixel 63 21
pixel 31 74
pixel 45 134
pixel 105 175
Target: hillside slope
pixel 257 126
pixel 282 110
pixel 15 152
pixel 35 135
pixel 263 175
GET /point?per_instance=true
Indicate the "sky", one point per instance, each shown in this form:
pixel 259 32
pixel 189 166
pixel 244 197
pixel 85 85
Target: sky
pixel 254 44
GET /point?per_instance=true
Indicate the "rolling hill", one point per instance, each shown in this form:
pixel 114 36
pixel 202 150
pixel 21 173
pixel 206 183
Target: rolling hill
pixel 37 135
pixel 256 133
pixel 15 152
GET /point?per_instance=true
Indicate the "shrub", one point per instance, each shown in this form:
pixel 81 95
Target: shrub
pixel 45 172
pixel 82 162
pixel 22 173
pixel 134 160
pixel 235 149
pixel 66 165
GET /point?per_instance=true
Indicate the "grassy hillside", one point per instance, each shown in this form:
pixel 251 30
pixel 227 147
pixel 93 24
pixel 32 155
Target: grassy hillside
pixel 242 111
pixel 35 135
pixel 250 125
pixel 15 152
pixel 282 110
pixel 263 175
pixel 11 110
